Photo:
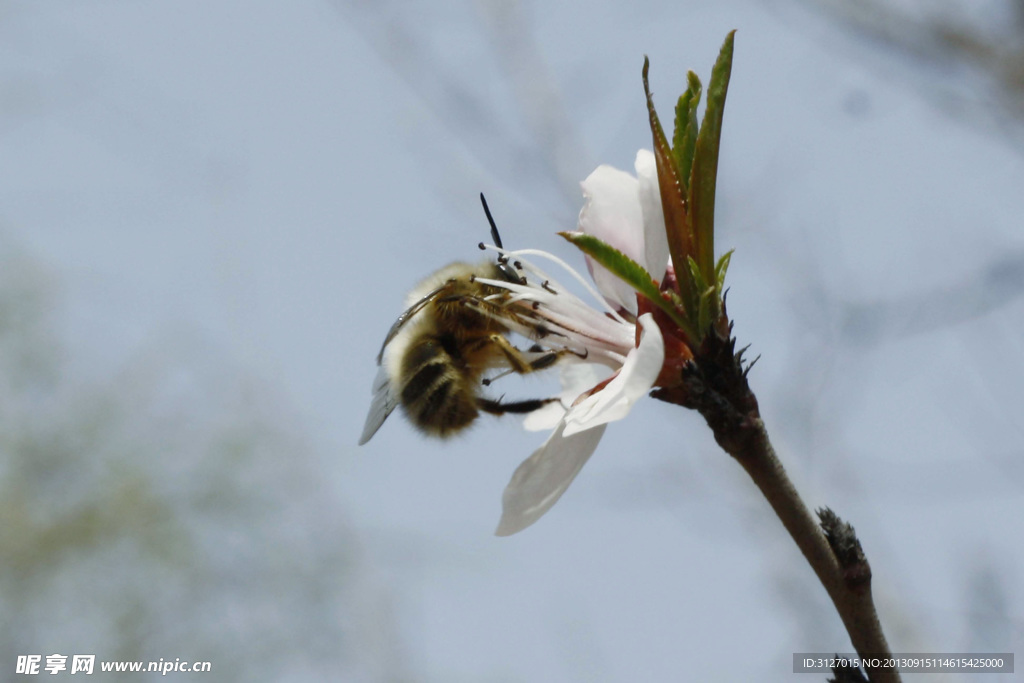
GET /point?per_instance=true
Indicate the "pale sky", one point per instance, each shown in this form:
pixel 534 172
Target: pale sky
pixel 269 179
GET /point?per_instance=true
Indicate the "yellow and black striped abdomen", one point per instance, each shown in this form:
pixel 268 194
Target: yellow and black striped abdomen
pixel 437 396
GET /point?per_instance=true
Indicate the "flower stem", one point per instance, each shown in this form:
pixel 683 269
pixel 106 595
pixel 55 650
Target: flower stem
pixel 848 586
pixel 715 384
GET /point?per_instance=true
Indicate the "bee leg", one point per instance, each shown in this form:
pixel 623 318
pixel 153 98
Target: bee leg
pixel 498 408
pixel 518 363
pixel 545 361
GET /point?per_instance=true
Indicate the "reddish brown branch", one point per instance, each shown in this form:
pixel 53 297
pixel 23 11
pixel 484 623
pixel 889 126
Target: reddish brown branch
pixel 715 384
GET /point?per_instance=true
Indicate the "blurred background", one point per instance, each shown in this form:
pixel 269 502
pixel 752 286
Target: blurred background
pixel 210 214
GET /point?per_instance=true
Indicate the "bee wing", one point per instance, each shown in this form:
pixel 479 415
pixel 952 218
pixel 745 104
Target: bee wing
pixel 383 402
pixel 405 317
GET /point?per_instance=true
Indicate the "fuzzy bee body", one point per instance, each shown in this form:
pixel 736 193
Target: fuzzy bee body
pixel 441 356
pixel 435 357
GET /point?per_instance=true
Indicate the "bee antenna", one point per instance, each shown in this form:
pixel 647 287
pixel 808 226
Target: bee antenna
pixel 507 272
pixel 490 219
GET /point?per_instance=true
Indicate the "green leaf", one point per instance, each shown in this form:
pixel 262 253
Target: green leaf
pixel 707 309
pixel 675 299
pixel 706 299
pixel 697 287
pixel 673 197
pixel 630 272
pixel 684 137
pixel 705 161
pixel 695 275
pixel 721 267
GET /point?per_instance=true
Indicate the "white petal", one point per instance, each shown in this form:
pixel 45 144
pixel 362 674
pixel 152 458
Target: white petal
pixel 655 238
pixel 542 478
pixel 576 378
pixel 611 212
pixel 544 418
pixel 634 380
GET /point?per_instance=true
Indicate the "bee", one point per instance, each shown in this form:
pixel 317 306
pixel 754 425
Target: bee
pixel 435 358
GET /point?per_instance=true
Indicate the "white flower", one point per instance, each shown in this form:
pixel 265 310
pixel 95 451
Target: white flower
pixel 625 212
